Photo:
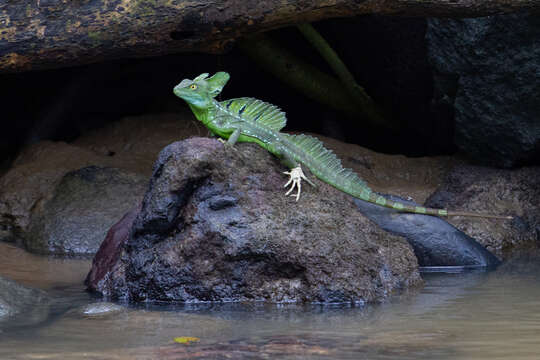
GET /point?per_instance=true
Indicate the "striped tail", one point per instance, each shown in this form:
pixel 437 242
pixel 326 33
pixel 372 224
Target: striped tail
pixel 379 200
pixel 325 165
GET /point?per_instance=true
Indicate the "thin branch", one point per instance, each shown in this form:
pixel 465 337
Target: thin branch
pixel 369 107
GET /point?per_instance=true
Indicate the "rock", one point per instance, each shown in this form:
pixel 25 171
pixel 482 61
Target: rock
pixel 98 310
pixel 84 205
pixel 110 249
pixel 134 142
pixel 465 187
pixel 495 191
pixel 215 226
pixel 435 242
pixel 15 299
pixel 32 183
pixel 487 72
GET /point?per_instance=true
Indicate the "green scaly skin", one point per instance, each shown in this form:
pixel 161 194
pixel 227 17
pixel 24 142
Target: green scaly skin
pixel 251 120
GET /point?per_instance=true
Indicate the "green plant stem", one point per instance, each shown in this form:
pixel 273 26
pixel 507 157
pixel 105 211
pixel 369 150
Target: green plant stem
pixel 298 74
pixel 370 109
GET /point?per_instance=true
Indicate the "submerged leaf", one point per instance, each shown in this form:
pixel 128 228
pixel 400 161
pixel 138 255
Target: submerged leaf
pixel 186 339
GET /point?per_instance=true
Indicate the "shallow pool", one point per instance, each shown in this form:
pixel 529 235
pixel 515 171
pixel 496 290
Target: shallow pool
pixel 464 315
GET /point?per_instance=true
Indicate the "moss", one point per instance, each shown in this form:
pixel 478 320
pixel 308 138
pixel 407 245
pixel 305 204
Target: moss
pixel 95 37
pixel 15 61
pixel 145 7
pixel 7 33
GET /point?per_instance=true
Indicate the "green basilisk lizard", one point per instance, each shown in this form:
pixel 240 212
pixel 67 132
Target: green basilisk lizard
pixel 251 120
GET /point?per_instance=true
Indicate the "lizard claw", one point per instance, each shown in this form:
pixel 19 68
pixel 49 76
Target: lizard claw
pixel 226 144
pixel 296 175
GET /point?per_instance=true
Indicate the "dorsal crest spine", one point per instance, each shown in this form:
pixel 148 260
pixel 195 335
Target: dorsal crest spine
pixel 254 110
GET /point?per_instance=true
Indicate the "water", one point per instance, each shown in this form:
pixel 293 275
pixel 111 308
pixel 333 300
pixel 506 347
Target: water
pixel 467 315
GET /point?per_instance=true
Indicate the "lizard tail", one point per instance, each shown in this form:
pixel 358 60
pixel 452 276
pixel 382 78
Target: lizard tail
pixel 325 165
pixel 379 200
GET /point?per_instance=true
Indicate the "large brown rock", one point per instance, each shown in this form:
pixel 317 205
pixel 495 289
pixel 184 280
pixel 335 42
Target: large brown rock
pixel 132 144
pixel 498 191
pixel 62 198
pixel 486 74
pixel 31 181
pixel 84 205
pixel 216 226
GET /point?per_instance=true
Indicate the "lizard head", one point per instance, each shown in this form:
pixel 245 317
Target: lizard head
pixel 200 91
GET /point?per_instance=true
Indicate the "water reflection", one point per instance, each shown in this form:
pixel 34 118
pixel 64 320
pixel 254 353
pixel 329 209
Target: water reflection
pixel 41 271
pixel 468 315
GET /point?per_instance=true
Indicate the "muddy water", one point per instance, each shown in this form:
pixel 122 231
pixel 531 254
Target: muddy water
pixel 466 315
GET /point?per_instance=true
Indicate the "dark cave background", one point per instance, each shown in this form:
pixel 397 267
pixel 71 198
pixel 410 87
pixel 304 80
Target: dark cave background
pixel 387 56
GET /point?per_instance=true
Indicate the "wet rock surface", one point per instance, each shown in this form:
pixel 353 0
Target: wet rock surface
pixel 111 248
pixel 85 204
pixel 496 191
pixel 98 310
pixel 39 176
pixel 487 76
pixel 435 241
pixel 16 299
pixel 31 181
pixel 215 226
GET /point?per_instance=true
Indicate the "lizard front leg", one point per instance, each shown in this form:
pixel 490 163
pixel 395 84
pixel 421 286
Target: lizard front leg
pixel 233 138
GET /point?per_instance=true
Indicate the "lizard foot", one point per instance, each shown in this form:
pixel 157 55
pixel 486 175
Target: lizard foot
pixel 226 144
pixel 221 140
pixel 296 175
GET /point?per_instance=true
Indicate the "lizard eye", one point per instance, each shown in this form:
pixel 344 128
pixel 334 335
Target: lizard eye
pixel 193 86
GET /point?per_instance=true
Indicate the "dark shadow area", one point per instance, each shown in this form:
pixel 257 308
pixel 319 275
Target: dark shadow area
pixel 387 56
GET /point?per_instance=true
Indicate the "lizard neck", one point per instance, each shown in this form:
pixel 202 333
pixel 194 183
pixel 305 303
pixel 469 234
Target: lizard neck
pixel 202 114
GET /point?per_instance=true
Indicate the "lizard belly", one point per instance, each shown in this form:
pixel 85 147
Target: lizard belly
pixel 247 138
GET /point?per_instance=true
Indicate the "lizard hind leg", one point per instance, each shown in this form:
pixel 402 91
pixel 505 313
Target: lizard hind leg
pixel 295 180
pixel 296 175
